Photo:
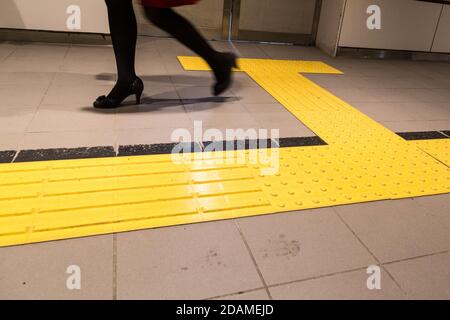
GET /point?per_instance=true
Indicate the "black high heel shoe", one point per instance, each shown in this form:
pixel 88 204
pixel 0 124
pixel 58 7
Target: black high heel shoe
pixel 224 72
pixel 136 88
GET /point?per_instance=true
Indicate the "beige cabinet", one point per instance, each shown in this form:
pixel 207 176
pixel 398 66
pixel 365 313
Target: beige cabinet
pixel 405 25
pixel 442 38
pixel 417 26
pixel 329 28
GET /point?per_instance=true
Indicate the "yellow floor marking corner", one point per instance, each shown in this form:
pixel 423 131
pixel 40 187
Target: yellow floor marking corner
pixel 363 161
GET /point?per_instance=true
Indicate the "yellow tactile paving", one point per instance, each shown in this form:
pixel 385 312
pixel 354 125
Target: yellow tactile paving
pixel 363 162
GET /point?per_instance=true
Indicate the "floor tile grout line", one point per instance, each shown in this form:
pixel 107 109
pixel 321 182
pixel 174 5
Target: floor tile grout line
pixel 10 54
pixel 18 149
pixel 392 277
pixel 235 293
pixel 173 83
pixel 253 259
pixel 316 277
pixel 414 120
pixel 368 250
pixel 416 257
pixel 356 236
pixel 38 106
pixel 322 276
pixel 394 280
pixel 69 46
pixel 114 279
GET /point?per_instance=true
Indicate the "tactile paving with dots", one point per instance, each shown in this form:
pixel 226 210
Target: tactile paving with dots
pixel 363 161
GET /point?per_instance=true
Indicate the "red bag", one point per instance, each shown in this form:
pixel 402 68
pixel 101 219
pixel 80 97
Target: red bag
pixel 167 3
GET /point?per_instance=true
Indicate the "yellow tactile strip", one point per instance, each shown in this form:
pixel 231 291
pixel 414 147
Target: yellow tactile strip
pixel 363 162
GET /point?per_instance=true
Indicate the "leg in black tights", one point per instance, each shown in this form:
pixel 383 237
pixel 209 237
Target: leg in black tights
pixel 123 27
pixel 180 28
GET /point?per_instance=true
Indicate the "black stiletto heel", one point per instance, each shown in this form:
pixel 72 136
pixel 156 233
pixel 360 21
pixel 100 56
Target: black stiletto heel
pixel 224 73
pixel 138 98
pixel 136 88
pixel 235 64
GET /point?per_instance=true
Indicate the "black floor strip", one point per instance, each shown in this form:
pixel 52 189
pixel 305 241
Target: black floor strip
pixel 262 144
pixel 301 142
pixel 65 154
pixel 162 148
pixel 7 156
pixel 167 148
pixel 425 135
